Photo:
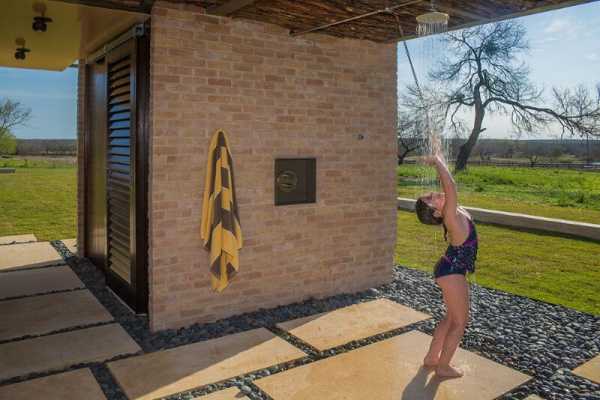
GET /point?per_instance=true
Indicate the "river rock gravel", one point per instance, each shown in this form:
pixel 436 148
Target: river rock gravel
pixel 542 340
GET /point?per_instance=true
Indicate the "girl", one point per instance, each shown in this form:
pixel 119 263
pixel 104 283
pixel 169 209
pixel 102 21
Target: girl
pixel 450 270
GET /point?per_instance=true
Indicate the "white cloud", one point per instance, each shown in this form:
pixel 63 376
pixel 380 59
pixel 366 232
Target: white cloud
pixel 564 29
pixel 592 56
pixel 558 25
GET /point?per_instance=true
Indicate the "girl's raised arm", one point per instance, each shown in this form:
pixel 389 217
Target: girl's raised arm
pixel 449 187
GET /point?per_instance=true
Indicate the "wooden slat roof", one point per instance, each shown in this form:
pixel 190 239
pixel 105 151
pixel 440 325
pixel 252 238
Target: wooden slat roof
pixel 298 15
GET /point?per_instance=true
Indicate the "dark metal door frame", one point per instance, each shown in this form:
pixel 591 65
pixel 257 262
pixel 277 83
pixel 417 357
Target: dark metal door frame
pixel 94 215
pixel 133 44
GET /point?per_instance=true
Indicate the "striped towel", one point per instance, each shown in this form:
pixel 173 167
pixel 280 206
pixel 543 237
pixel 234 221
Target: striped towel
pixel 221 230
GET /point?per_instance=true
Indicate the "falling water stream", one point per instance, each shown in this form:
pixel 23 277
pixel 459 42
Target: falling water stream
pixel 433 114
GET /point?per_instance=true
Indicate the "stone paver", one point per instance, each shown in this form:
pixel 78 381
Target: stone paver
pixel 37 315
pixel 37 281
pixel 18 256
pixel 187 367
pixel 358 321
pixel 74 385
pixel 227 394
pixel 17 239
pixel 54 352
pixel 391 369
pixel 71 244
pixel 590 370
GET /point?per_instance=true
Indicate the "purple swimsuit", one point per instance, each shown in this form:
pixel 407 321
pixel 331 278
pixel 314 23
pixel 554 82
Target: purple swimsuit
pixel 459 259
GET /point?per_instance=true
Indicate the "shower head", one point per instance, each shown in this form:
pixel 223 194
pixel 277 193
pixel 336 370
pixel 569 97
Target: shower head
pixel 433 17
pixel 432 22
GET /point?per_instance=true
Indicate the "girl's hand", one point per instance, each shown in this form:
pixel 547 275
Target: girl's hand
pixel 427 160
pixel 436 145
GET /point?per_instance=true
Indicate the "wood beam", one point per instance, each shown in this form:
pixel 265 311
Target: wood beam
pixel 147 5
pixel 456 11
pixel 230 7
pixel 108 4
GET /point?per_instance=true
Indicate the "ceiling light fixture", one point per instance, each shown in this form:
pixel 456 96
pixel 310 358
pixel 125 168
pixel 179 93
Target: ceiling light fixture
pixel 21 51
pixel 40 23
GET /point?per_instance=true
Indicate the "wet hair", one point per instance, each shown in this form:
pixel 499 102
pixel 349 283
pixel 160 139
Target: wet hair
pixel 426 215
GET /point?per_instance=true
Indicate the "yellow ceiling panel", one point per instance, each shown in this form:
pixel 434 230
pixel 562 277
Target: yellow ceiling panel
pixel 75 31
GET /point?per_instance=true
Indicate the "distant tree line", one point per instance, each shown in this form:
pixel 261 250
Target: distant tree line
pixel 30 147
pixel 14 114
pixel 533 150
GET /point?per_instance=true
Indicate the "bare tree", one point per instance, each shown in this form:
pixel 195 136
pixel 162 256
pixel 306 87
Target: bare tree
pixel 578 102
pixel 411 137
pixel 421 116
pixel 12 114
pixel 482 72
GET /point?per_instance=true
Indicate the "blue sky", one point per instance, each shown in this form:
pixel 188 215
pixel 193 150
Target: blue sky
pixel 52 97
pixel 565 51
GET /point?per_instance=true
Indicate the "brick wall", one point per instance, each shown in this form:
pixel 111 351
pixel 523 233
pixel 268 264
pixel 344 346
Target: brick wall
pixel 275 96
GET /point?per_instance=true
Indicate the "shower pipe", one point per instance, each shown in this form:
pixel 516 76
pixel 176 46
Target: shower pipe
pixel 412 67
pixel 388 10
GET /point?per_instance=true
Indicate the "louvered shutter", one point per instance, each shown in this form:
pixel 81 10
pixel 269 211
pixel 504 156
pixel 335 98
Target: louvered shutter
pixel 120 161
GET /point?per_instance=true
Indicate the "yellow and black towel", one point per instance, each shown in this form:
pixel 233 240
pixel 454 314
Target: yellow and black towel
pixel 221 230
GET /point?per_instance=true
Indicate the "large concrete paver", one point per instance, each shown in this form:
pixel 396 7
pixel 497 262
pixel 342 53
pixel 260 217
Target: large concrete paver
pixel 26 255
pixel 350 323
pixel 391 369
pixel 5 240
pixel 227 394
pixel 167 372
pixel 37 315
pixel 590 370
pixel 61 350
pixel 74 385
pixel 38 281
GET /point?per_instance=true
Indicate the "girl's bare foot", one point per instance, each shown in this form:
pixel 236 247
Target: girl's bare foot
pixel 430 361
pixel 447 371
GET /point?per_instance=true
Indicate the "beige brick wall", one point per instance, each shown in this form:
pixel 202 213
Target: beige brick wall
pixel 276 96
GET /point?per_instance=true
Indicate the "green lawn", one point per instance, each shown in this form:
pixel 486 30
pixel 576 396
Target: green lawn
pixel 550 268
pixel 513 261
pixel 40 199
pixel 554 193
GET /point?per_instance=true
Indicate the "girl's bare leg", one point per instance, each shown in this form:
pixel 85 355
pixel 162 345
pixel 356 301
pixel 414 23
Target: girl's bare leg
pixel 456 296
pixel 435 349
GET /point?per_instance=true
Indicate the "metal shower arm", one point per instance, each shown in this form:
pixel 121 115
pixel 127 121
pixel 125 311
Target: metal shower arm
pixel 381 11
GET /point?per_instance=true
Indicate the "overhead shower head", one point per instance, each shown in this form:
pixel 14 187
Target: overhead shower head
pixel 432 22
pixel 433 17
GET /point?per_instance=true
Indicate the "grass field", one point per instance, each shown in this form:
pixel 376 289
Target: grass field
pixel 553 193
pixel 513 261
pixel 39 198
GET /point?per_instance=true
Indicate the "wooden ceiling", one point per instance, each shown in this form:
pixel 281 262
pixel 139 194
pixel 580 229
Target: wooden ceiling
pixel 300 15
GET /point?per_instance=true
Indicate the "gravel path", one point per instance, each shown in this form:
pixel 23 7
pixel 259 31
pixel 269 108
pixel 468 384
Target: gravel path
pixel 536 338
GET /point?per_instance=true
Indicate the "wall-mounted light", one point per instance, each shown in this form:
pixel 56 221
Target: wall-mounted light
pixel 40 23
pixel 21 51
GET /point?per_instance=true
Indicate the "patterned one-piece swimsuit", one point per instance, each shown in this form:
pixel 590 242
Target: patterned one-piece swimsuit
pixel 459 259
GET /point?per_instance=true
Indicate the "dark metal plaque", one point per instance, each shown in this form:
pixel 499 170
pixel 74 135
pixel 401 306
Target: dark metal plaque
pixel 295 180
